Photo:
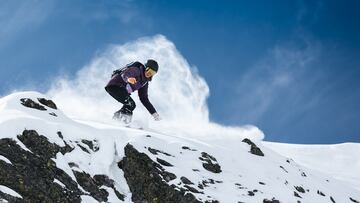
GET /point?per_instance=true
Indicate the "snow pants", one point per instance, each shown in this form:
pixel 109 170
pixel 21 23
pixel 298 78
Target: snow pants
pixel 121 95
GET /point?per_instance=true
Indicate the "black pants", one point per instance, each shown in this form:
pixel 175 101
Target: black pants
pixel 122 96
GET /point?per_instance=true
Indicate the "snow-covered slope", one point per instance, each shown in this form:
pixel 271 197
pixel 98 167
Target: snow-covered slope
pixel 94 162
pixel 340 161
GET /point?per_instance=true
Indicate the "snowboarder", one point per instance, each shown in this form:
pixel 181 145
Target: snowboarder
pixel 124 81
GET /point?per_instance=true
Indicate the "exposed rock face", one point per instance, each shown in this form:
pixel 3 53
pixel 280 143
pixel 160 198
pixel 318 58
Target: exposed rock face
pixel 254 149
pixel 147 180
pixel 32 175
pixel 32 104
pixel 273 200
pixel 210 163
pixel 35 176
pixel 47 103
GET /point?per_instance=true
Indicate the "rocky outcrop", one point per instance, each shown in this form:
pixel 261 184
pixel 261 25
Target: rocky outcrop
pixel 48 103
pixel 253 148
pixel 147 180
pixel 210 163
pixel 27 102
pixel 34 175
pixel 32 104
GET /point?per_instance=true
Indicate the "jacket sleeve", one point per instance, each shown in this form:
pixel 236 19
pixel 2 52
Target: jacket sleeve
pixel 143 96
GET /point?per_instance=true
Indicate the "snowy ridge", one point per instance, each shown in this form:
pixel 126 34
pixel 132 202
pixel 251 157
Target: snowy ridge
pixel 231 168
pixel 340 161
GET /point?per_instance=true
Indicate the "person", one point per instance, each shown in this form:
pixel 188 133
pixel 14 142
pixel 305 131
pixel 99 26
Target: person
pixel 133 77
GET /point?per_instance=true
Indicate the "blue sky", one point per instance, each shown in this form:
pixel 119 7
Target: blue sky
pixel 292 68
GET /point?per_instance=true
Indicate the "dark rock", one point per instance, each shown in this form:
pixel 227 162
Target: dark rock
pixel 191 189
pixel 188 148
pixel 284 169
pixel 186 181
pixel 103 180
pixel 320 193
pixel 32 104
pixel 251 193
pixel 196 170
pixel 240 186
pixel 303 174
pixel 47 103
pixel 209 181
pixel 261 183
pixel 145 180
pixel 168 176
pixel 253 149
pixel 299 189
pixel 119 195
pixel 155 152
pixel 215 168
pixel 207 156
pixel 121 164
pixel 354 200
pixel 72 164
pixel 32 174
pixel 208 163
pixel 66 149
pixel 297 195
pixel 8 198
pixel 89 184
pixel 60 135
pixel 148 135
pixel 83 148
pixel 332 199
pixel 53 114
pixel 40 145
pixel 91 145
pixel 200 186
pixel 273 200
pixel 163 162
pixel 212 201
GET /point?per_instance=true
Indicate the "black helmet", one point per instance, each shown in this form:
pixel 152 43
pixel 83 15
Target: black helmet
pixel 152 64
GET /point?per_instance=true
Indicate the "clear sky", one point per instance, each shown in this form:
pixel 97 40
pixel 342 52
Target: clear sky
pixel 292 68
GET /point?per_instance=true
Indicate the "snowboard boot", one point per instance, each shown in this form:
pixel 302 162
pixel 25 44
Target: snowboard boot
pixel 124 117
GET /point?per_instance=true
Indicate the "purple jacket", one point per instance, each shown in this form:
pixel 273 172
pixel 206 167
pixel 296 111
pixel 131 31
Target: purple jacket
pixel 137 71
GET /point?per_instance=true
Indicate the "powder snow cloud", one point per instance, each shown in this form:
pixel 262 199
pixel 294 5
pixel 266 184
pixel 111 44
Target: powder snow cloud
pixel 178 92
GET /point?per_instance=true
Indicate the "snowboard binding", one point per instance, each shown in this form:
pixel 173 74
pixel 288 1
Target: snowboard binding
pixel 123 117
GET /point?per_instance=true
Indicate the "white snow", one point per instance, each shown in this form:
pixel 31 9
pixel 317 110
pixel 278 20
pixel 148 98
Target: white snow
pixel 177 91
pixel 241 171
pixel 340 161
pixel 60 183
pixel 88 199
pixel 9 191
pixel 5 159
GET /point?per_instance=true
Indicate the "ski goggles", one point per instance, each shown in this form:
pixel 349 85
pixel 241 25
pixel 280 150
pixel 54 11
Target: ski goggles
pixel 150 71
